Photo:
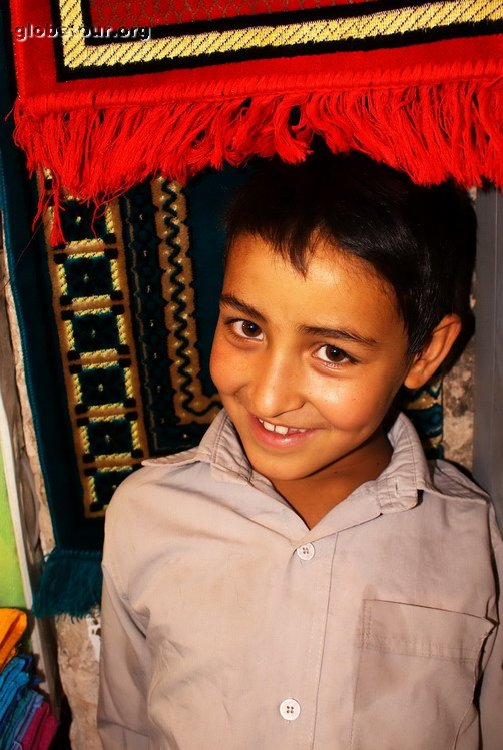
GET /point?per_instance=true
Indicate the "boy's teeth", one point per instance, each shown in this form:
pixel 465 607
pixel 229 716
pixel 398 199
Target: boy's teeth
pixel 279 428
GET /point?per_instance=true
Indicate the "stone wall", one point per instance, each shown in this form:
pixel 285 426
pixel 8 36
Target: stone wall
pixel 458 409
pixel 78 666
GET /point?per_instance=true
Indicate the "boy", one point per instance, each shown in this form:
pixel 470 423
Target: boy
pixel 303 579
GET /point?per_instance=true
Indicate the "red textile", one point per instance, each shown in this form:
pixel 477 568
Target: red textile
pixel 427 99
pixel 153 12
pixel 41 731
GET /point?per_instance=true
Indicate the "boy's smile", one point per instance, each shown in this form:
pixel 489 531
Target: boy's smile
pixel 308 366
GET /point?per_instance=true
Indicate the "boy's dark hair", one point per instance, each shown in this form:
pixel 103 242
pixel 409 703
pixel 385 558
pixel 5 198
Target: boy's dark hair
pixel 420 238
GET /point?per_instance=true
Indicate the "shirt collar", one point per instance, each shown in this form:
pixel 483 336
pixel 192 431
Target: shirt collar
pixel 219 447
pixel 396 489
pixel 408 472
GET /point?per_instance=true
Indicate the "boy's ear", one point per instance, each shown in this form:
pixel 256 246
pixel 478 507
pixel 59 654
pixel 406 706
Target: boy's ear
pixel 435 351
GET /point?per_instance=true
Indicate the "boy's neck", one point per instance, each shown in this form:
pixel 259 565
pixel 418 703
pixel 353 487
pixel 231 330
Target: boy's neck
pixel 314 496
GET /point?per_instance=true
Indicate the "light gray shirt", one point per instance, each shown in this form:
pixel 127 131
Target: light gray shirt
pixel 228 624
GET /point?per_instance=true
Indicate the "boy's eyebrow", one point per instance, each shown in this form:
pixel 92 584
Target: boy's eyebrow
pixel 338 333
pixel 244 307
pixel 322 331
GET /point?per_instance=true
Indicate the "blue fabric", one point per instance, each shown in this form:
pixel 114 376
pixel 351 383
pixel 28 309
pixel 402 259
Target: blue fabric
pixel 12 679
pixel 21 717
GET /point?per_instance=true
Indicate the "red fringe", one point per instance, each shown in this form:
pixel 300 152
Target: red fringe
pixel 432 132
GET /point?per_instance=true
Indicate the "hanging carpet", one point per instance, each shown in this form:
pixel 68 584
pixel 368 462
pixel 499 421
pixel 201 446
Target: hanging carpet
pixel 111 93
pixel 116 302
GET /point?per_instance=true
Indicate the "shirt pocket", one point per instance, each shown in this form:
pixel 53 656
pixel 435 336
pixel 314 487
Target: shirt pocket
pixel 416 677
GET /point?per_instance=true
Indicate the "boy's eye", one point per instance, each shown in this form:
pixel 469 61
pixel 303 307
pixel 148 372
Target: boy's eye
pixel 332 354
pixel 246 329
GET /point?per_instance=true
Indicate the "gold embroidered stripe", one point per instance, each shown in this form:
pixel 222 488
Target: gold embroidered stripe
pixel 184 370
pixel 93 360
pixel 413 18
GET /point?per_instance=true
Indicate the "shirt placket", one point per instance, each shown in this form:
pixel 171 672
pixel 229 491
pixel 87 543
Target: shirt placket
pixel 310 577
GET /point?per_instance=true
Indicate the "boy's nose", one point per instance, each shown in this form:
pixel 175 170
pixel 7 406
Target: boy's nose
pixel 276 387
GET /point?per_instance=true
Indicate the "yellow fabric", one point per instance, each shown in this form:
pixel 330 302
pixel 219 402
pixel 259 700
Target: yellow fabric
pixel 12 626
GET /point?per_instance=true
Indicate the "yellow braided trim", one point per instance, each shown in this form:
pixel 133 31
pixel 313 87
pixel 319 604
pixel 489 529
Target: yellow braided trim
pixel 198 402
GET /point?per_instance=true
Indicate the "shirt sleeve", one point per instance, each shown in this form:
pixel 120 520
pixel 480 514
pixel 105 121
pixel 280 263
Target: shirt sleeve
pixel 491 694
pixel 122 703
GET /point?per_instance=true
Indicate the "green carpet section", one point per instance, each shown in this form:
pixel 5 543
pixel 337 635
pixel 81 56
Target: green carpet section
pixel 11 588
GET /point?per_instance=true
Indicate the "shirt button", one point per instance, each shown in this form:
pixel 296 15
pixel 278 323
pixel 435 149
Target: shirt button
pixel 290 709
pixel 306 552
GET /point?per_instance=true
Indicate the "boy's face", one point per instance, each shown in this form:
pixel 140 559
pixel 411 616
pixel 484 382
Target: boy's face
pixel 306 367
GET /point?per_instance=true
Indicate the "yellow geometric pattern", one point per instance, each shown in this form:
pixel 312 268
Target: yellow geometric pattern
pixel 202 408
pixel 102 360
pixel 112 362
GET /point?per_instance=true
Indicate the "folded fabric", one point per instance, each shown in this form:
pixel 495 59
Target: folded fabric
pixel 26 720
pixel 20 717
pixel 14 677
pixel 40 732
pixel 23 718
pixel 12 627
